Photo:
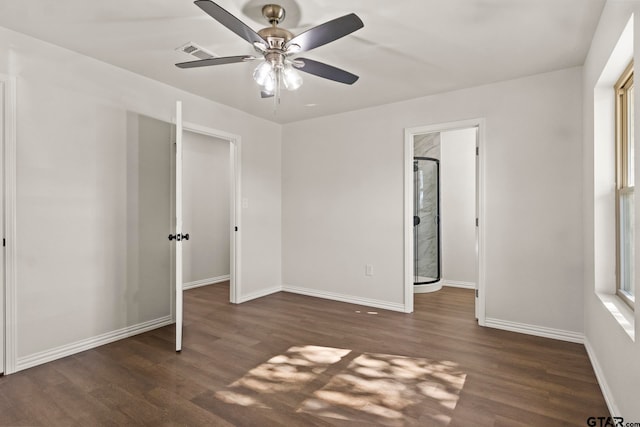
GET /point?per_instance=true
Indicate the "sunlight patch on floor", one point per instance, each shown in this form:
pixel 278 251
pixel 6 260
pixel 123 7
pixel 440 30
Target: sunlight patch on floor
pixel 288 372
pixel 382 388
pixel 373 388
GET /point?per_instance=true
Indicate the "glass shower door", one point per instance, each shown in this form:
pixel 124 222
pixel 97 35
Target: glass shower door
pixel 426 220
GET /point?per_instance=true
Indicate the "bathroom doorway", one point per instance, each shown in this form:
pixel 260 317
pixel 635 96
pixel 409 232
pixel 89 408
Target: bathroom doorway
pixel 443 210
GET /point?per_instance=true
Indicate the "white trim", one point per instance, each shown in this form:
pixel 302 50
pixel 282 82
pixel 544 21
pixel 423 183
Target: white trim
pixel 344 298
pixel 89 343
pixel 235 248
pixel 205 282
pixel 621 313
pixel 408 226
pixel 260 294
pixel 481 194
pixel 207 131
pixel 10 258
pixel 604 387
pixel 458 284
pixel 444 127
pixel 539 331
pixel 235 212
pixel 409 133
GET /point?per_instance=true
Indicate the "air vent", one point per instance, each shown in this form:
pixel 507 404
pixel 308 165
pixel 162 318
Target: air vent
pixel 194 50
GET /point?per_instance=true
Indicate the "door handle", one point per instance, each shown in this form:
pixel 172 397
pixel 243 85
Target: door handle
pixel 179 237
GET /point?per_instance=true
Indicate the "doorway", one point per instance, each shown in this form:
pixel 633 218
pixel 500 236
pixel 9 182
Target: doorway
pixel 206 216
pixel 199 135
pixel 455 211
pixel 157 240
pixel 203 136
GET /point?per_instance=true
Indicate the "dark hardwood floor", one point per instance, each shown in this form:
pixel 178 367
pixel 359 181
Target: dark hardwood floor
pixel 293 360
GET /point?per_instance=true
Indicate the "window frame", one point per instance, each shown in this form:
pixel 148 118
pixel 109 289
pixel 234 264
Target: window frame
pixel 622 87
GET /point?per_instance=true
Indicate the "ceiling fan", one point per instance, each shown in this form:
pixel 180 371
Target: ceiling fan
pixel 278 47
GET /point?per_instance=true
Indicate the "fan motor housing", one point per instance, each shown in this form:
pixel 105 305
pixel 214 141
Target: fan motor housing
pixel 275 36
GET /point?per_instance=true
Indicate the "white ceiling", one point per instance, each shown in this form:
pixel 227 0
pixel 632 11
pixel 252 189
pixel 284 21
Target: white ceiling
pixel 407 48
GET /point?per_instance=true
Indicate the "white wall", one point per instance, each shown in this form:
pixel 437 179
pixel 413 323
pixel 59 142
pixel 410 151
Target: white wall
pixel 71 195
pixel 144 178
pixel 615 355
pixel 342 183
pixel 206 198
pixel 458 205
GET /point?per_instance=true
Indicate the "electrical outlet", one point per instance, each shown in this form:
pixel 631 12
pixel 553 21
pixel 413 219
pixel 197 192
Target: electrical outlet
pixel 368 270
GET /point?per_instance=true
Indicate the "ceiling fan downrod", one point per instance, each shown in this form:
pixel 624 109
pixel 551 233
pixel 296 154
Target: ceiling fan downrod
pixel 274 13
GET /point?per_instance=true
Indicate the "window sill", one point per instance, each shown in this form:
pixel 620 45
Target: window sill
pixel 620 311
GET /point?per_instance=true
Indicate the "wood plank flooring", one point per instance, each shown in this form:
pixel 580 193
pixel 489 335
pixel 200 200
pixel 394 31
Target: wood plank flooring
pixel 293 360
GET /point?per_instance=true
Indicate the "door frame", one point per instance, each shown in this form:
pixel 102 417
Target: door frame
pixel 235 193
pixel 409 134
pixel 8 288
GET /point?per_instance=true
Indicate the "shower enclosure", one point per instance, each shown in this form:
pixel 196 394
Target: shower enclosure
pixel 426 220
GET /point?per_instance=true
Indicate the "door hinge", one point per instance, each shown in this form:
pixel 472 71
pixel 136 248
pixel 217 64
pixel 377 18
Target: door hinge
pixel 476 222
pixel 477 151
pixel 477 293
pixel 236 228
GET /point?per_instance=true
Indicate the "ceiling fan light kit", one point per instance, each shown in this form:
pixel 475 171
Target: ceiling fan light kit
pixel 279 69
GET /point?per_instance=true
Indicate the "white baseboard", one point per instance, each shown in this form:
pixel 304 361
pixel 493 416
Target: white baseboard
pixel 458 284
pixel 205 282
pixel 344 298
pixel 89 343
pixel 604 387
pixel 540 331
pixel 259 294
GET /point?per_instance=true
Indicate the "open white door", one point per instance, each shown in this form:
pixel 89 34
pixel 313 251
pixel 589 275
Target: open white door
pixel 178 231
pixel 2 281
pixel 477 190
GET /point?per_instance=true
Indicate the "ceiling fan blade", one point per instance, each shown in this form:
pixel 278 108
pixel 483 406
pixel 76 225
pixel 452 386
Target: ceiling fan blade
pixel 326 33
pixel 326 71
pixel 215 61
pixel 230 21
pixel 264 94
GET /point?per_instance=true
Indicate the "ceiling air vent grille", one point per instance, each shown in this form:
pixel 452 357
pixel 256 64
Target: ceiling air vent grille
pixel 194 50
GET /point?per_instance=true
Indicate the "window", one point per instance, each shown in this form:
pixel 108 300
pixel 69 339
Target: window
pixel 625 186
